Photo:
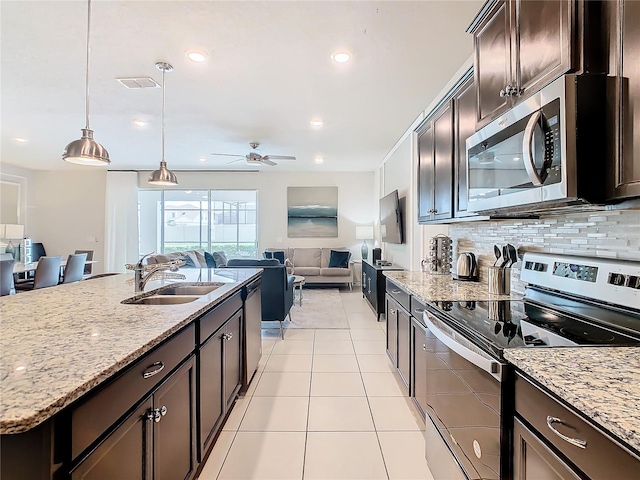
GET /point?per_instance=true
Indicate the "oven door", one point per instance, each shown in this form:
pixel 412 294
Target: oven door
pixel 463 402
pixel 517 159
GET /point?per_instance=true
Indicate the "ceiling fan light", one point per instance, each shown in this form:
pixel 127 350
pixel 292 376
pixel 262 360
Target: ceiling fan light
pixel 86 151
pixel 163 176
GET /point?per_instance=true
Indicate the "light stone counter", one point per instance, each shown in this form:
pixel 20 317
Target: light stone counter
pixel 436 288
pixel 601 382
pixel 58 343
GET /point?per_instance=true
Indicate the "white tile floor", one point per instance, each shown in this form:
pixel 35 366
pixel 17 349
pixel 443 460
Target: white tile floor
pixel 324 404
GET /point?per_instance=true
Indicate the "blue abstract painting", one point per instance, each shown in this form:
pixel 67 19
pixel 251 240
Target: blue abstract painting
pixel 312 211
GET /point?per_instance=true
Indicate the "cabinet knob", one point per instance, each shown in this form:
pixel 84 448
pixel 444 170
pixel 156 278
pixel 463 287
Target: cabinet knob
pixel 424 346
pixel 506 91
pixel 156 414
pixel 227 336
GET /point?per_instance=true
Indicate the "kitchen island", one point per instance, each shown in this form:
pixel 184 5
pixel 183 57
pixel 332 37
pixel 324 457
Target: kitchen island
pixel 63 346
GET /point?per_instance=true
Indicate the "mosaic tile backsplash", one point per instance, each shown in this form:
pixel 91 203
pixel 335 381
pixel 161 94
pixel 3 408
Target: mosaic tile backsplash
pixel 610 234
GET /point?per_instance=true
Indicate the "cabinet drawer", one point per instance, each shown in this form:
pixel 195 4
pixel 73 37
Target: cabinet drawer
pixel 398 294
pixel 417 307
pixel 601 455
pixel 93 417
pixel 212 321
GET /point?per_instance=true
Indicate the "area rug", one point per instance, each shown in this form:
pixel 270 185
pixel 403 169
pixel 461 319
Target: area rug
pixel 321 308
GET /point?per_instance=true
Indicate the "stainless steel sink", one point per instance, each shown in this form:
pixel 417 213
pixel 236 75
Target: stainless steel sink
pixel 202 289
pixel 161 300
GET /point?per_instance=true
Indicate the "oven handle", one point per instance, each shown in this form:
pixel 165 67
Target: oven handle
pixel 486 364
pixel 527 149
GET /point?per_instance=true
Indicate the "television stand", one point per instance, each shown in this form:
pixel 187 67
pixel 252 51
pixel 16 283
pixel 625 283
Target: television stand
pixel 373 284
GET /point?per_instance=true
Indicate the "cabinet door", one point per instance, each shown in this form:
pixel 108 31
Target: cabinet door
pixel 443 162
pixel 404 335
pixel 492 43
pixel 464 102
pixel 210 389
pixel 232 350
pixel 542 42
pixel 533 460
pixel 625 37
pixel 419 366
pixel 252 338
pixel 392 330
pixel 124 454
pixel 174 434
pixel 425 172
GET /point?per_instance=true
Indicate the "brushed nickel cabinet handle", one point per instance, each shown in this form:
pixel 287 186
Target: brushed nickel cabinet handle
pixel 573 441
pixel 153 369
pixel 156 414
pixel 419 311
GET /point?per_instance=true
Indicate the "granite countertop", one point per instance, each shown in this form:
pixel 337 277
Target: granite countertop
pixel 436 288
pixel 58 343
pixel 601 382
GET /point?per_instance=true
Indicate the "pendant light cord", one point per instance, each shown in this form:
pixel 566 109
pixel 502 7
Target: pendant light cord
pixel 164 69
pixel 87 70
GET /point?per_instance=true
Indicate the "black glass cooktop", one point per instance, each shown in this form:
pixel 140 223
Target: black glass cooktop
pixel 542 319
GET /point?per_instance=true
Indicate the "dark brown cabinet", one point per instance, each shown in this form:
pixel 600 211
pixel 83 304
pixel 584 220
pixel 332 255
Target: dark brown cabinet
pixel 418 387
pixel 392 330
pixel 399 330
pixel 435 165
pixel 373 285
pixel 252 338
pixel 464 124
pixel 520 46
pixel 156 441
pixel 624 98
pixel 404 334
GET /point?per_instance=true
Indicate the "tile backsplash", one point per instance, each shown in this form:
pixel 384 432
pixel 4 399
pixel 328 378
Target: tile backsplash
pixel 610 234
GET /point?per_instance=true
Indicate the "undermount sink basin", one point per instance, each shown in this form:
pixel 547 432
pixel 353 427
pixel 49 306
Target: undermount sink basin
pixel 189 289
pixel 162 300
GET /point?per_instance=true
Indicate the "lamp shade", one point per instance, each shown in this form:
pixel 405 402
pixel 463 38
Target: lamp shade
pixel 86 151
pixel 364 232
pixel 14 232
pixel 163 176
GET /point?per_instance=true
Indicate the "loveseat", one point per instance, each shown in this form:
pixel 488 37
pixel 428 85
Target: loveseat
pixel 313 264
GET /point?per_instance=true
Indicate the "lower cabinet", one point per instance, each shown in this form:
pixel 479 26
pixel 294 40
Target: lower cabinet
pixel 399 331
pixel 157 441
pixel 404 332
pixel 392 330
pixel 418 387
pixel 252 335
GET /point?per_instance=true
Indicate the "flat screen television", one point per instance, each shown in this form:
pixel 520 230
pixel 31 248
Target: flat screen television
pixel 391 228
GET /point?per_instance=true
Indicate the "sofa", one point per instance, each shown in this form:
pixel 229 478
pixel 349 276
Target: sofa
pixel 193 258
pixel 313 264
pixel 277 288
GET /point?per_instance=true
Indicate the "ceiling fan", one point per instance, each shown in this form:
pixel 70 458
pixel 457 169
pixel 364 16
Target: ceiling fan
pixel 254 157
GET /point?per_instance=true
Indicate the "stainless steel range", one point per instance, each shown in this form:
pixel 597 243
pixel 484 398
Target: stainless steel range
pixel 569 301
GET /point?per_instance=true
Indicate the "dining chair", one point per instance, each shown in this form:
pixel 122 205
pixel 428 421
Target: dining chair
pixel 37 251
pixel 47 274
pixel 74 269
pixel 6 276
pixel 88 267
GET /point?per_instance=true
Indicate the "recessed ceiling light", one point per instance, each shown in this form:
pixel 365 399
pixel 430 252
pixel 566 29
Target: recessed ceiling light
pixel 341 57
pixel 20 139
pixel 197 56
pixel 140 123
pixel 316 122
pixel 319 160
pixel 202 159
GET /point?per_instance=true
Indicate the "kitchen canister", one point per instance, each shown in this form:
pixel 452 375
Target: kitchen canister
pixel 499 280
pixel 440 252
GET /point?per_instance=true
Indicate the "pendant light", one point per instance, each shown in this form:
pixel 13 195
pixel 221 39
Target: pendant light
pixel 86 151
pixel 163 176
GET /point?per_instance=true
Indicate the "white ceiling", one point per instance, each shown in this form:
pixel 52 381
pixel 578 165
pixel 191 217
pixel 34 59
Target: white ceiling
pixel 268 73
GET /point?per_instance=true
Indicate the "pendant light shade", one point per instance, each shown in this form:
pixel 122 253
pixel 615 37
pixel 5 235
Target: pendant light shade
pixel 86 151
pixel 163 176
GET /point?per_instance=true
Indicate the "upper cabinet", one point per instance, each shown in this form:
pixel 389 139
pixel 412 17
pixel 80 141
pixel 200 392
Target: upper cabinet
pixel 520 45
pixel 624 98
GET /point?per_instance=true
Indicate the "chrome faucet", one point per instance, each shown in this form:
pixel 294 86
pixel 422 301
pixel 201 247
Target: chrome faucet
pixel 141 279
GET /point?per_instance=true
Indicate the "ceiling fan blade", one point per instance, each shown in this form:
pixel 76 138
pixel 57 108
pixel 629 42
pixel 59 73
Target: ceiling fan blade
pixel 266 161
pixel 279 157
pixel 226 154
pixel 236 160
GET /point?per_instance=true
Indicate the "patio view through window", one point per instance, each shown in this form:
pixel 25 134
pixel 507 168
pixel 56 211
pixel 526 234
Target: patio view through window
pixel 211 220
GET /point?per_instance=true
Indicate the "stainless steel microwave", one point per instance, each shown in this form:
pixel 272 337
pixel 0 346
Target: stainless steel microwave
pixel 546 153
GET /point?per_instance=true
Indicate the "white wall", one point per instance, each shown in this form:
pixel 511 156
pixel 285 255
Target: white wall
pixel 68 211
pixel 357 201
pixel 24 179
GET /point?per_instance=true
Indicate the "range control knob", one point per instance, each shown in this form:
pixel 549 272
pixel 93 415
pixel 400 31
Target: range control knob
pixel 616 279
pixel 633 281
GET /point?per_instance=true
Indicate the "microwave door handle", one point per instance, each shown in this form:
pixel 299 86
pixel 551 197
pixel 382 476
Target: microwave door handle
pixel 489 366
pixel 527 149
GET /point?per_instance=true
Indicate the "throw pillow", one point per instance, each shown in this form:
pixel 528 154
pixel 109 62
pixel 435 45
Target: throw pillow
pixel 211 263
pixel 278 254
pixel 339 259
pixel 188 262
pixel 194 258
pixel 220 258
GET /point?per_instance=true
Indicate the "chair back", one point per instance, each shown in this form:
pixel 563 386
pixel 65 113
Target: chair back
pixel 88 267
pixel 47 272
pixel 6 256
pixel 74 269
pixel 37 251
pixel 6 276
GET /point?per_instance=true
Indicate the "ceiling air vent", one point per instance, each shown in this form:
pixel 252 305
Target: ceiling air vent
pixel 138 82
